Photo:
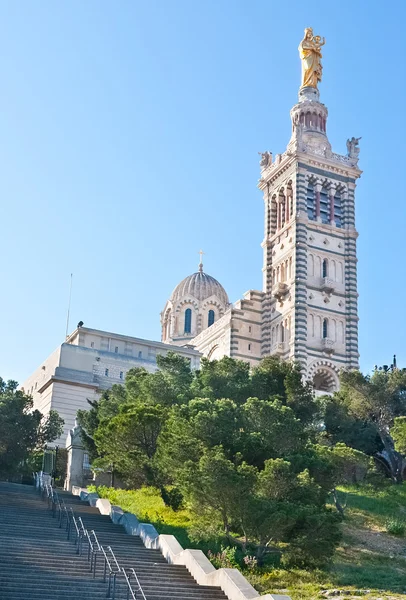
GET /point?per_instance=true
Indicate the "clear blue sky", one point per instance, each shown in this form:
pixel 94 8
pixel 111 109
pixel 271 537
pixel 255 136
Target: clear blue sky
pixel 129 134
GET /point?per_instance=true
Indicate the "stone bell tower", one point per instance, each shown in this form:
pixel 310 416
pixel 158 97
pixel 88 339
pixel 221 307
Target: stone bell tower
pixel 310 260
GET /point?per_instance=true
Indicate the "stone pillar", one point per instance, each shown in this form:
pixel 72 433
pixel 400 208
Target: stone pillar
pixel 317 190
pixel 76 452
pixel 287 208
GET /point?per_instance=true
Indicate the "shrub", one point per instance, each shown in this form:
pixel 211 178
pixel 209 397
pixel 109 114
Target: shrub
pixel 172 498
pixel 226 559
pixel 396 526
pixel 250 562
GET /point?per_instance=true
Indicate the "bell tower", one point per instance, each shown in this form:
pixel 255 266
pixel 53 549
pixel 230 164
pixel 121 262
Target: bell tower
pixel 310 261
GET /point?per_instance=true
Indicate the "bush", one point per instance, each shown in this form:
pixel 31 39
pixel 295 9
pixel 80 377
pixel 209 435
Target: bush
pixel 396 526
pixel 226 559
pixel 172 498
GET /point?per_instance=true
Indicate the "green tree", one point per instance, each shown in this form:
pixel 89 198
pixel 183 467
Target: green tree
pixel 271 510
pixel 129 441
pixel 102 409
pixel 398 433
pixel 224 378
pixel 378 399
pixel 276 379
pixel 170 384
pixel 23 431
pixel 270 430
pixel 343 425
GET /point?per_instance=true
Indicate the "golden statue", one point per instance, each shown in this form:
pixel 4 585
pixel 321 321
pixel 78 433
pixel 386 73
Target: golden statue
pixel 310 54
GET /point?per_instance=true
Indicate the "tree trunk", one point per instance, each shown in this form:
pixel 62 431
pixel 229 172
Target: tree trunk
pixel 338 505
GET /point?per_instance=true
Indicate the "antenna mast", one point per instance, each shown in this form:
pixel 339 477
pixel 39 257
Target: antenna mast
pixel 70 297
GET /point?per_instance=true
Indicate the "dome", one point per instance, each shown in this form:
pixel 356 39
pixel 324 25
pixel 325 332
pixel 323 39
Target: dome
pixel 200 286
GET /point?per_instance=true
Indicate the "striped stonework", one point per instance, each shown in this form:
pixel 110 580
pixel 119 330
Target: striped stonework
pixel 309 308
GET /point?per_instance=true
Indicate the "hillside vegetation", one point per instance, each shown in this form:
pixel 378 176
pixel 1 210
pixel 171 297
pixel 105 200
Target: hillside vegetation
pixel 369 562
pixel 249 466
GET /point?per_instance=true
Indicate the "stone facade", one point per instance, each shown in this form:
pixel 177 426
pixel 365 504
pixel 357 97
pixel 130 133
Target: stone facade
pixel 89 362
pixel 310 309
pixel 195 304
pixel 237 334
pixel 307 310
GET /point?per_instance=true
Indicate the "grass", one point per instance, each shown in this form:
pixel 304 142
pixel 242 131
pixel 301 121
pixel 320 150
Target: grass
pixel 148 506
pixel 368 563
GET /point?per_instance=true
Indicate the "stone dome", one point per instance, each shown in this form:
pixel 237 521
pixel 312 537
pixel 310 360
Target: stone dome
pixel 201 286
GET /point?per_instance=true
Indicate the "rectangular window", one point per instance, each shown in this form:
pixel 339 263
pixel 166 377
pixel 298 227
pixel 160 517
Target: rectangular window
pixel 106 372
pixel 92 344
pixel 139 354
pixel 337 210
pixel 121 374
pixel 249 328
pixel 324 207
pixel 310 203
pixel 249 347
pixel 116 349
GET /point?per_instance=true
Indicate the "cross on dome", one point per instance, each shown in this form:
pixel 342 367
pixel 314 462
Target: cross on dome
pixel 201 261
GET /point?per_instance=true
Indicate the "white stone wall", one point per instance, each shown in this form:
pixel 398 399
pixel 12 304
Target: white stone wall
pixel 84 367
pixel 42 374
pixel 237 333
pixel 67 399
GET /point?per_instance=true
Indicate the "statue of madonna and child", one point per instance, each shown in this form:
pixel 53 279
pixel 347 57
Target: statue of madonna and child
pixel 310 54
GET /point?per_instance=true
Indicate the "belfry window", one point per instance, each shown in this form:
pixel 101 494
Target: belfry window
pixel 324 206
pixel 311 213
pixel 210 319
pixel 337 210
pixel 325 328
pixel 188 320
pixel 325 268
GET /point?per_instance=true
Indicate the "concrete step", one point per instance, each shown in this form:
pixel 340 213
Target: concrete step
pixel 37 562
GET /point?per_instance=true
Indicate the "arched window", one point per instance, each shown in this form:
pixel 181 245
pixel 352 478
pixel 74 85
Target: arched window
pixel 325 328
pixel 188 320
pixel 210 319
pixel 325 268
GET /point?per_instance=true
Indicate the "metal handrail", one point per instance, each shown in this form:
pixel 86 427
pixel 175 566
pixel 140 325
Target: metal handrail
pixel 111 563
pixel 95 539
pixel 114 558
pixel 129 588
pixel 139 588
pixel 91 553
pixel 81 523
pixel 111 589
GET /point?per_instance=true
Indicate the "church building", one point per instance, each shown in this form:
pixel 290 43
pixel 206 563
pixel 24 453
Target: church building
pixel 307 309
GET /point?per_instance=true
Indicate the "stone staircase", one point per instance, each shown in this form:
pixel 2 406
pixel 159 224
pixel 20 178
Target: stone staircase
pixel 38 562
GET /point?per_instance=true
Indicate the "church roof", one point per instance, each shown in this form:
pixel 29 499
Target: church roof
pixel 200 286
